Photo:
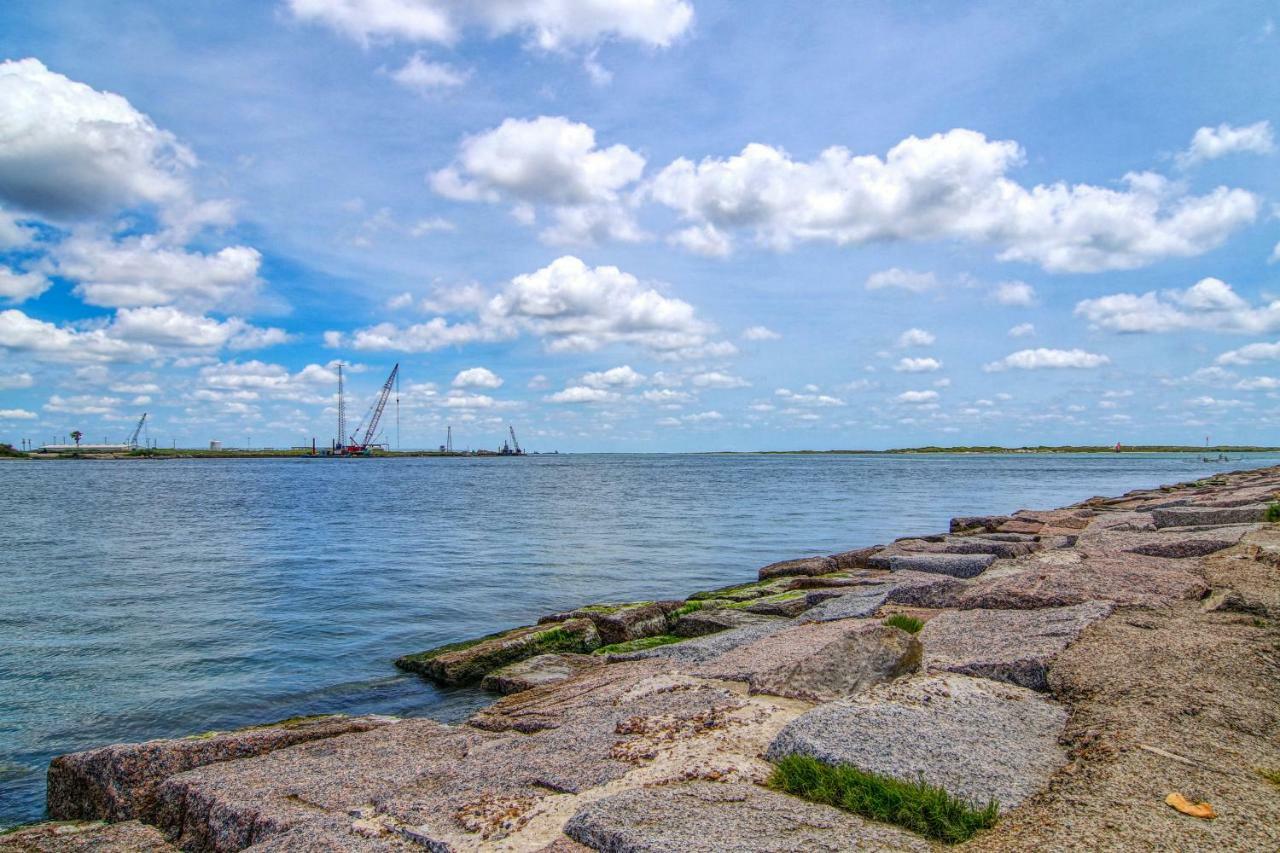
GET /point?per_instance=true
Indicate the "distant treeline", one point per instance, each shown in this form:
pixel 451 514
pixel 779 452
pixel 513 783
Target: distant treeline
pixel 1045 448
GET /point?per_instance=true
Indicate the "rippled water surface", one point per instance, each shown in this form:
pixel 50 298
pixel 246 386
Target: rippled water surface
pixel 145 599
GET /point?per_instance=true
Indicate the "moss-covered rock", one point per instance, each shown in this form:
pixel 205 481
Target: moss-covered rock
pixel 639 645
pixel 468 662
pixel 791 603
pixel 743 591
pixel 623 621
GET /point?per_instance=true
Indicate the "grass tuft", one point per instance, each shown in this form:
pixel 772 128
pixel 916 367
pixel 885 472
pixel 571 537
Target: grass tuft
pixel 910 624
pixel 687 608
pixel 917 806
pixel 1271 775
pixel 1273 511
pixel 639 645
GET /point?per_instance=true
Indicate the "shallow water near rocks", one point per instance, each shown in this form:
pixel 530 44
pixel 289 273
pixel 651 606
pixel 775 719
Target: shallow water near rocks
pixel 156 599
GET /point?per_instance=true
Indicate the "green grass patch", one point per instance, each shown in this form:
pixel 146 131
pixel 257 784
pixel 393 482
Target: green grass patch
pixel 769 599
pixel 687 608
pixel 1272 775
pixel 1273 511
pixel 639 645
pixel 910 624
pixel 917 806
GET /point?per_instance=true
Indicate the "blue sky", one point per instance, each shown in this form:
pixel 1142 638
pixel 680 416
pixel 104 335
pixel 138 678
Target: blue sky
pixel 642 224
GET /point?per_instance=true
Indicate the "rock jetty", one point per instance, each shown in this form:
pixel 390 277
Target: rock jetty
pixel 1045 680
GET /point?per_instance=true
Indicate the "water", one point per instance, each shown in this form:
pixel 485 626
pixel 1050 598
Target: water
pixel 151 599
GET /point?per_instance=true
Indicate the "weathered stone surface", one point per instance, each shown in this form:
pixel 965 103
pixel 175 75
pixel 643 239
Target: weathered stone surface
pixel 308 789
pixel 955 565
pixel 709 817
pixel 834 581
pixel 1186 516
pixel 855 559
pixel 1180 549
pixel 1126 579
pixel 810 566
pixel 851 604
pixel 619 623
pixel 1019 525
pixel 704 648
pixel 791 603
pixel 1000 549
pixel 86 837
pixel 978 739
pixel 468 662
pixel 118 782
pixel 989 523
pixel 918 589
pixel 1017 646
pixel 819 662
pixel 703 622
pixel 537 671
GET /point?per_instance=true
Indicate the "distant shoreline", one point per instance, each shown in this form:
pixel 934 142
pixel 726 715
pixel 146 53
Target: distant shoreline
pixel 202 453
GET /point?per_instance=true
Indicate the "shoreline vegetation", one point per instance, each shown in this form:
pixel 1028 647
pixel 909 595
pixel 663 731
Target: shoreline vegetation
pixel 8 451
pixel 893 695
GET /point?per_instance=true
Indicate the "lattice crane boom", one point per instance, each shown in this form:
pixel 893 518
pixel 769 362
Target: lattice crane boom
pixel 133 439
pixel 374 415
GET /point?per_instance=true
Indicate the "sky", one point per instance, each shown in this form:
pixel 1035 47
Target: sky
pixel 641 225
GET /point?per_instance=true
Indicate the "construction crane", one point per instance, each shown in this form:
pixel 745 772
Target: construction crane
pixel 363 446
pixel 133 439
pixel 514 444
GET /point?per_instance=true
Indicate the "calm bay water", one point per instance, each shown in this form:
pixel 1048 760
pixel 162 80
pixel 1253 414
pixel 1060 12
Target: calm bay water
pixel 150 599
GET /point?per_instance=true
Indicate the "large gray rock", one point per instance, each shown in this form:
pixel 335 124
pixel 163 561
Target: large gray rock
pixel 1129 579
pixel 712 621
pixel 1187 516
pixel 855 603
pixel 953 565
pixel 810 566
pixel 974 523
pixel 1181 549
pixel 709 817
pixel 819 662
pixel 705 648
pixel 855 559
pixel 791 603
pixel 86 837
pixel 619 623
pixel 537 671
pixel 1017 646
pixel 978 739
pixel 918 589
pixel 118 782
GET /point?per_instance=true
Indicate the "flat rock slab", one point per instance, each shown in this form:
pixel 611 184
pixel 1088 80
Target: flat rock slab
pixel 86 837
pixel 469 661
pixel 810 566
pixel 1181 549
pixel 953 565
pixel 712 621
pixel 118 782
pixel 1129 579
pixel 856 603
pixel 978 739
pixel 710 817
pixel 1016 646
pixel 819 662
pixel 1187 516
pixel 855 559
pixel 537 671
pixel 705 648
pixel 790 603
pixel 919 589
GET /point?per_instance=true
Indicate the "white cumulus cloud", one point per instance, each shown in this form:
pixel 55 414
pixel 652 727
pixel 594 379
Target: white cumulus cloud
pixel 21 286
pixel 914 282
pixel 951 185
pixel 917 397
pixel 614 377
pixel 916 338
pixel 1209 304
pixel 477 377
pixel 1042 358
pixel 424 76
pixel 760 333
pixel 1250 353
pixel 1015 293
pixel 546 24
pixel 582 394
pixel 917 365
pixel 1022 330
pixel 1210 143
pixel 17 415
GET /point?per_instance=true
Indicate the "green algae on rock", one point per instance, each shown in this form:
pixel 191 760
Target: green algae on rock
pixel 640 644
pixel 469 661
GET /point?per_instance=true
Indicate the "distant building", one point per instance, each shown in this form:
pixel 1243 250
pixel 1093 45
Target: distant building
pixel 215 445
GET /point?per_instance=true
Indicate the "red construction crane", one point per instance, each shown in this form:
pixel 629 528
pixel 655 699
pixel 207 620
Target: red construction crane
pixel 364 445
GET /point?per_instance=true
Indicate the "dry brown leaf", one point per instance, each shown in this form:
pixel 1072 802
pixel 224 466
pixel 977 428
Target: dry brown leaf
pixel 1182 804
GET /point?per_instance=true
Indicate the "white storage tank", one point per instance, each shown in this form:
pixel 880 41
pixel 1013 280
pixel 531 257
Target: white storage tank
pixel 215 445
